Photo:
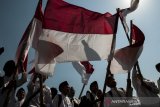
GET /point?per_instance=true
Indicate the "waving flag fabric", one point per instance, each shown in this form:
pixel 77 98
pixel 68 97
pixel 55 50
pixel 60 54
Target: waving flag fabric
pixel 133 6
pixel 32 32
pixel 85 69
pixel 72 33
pixel 126 57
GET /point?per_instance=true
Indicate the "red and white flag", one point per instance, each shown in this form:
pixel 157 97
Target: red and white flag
pixel 126 57
pixel 72 33
pixel 32 33
pixel 85 69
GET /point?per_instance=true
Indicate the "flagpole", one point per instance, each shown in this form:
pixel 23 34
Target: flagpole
pixel 81 91
pixel 110 59
pixel 128 94
pixel 41 82
pixel 41 90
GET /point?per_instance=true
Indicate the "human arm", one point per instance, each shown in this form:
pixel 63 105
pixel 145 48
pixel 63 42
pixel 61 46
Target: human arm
pixel 23 78
pixel 134 78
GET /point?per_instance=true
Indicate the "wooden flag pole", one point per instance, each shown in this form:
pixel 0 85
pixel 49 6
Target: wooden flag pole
pixel 41 83
pixel 130 42
pixel 111 55
pixel 41 90
pixel 81 91
pixel 128 88
pixel 27 101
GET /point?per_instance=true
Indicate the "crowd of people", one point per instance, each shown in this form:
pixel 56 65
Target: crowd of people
pixel 12 94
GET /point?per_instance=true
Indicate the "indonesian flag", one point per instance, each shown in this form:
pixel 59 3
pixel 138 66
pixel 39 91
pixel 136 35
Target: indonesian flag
pixel 72 33
pixel 32 32
pixel 126 57
pixel 85 69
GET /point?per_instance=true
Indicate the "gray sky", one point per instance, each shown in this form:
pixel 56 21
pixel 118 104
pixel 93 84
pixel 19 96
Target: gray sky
pixel 15 16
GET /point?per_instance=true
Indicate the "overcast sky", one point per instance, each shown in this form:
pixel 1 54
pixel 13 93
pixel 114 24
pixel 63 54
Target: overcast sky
pixel 15 16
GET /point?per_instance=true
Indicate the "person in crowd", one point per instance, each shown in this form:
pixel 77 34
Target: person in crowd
pixel 100 96
pixel 75 101
pixel 92 94
pixel 146 90
pixel 99 93
pixel 84 101
pixel 11 82
pixel 54 92
pixel 114 93
pixel 11 72
pixel 20 97
pixel 33 95
pixel 62 99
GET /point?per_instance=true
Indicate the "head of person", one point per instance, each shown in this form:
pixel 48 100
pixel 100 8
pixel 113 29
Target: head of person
pixel 37 76
pixel 20 94
pixel 71 92
pixel 9 68
pixel 110 82
pixel 53 92
pixel 64 88
pixel 94 87
pixel 158 67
